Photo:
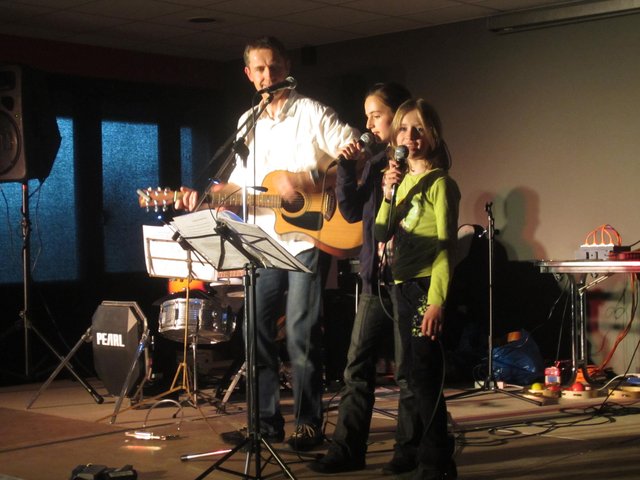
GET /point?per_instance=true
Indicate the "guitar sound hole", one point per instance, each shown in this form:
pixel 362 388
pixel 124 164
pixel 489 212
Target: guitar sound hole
pixel 294 205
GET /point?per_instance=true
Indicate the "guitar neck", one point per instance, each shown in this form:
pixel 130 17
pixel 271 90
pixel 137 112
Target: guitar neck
pixel 235 200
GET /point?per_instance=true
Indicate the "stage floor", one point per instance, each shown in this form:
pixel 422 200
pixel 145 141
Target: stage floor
pixel 497 436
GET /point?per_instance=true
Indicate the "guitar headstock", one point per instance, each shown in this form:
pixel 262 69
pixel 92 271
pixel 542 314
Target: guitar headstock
pixel 157 198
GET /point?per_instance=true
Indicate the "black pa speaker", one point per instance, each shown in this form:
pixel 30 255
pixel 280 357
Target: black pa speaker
pixel 29 135
pixel 117 328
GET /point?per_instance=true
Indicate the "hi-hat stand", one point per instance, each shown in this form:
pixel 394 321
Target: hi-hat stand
pixel 490 384
pixel 25 314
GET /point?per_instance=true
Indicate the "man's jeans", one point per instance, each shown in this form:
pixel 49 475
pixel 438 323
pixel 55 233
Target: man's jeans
pixel 303 298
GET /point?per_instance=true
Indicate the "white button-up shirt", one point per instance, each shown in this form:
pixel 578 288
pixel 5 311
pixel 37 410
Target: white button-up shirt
pixel 305 134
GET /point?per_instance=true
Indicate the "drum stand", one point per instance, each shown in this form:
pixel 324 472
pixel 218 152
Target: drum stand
pixel 181 381
pixel 64 363
pixel 241 372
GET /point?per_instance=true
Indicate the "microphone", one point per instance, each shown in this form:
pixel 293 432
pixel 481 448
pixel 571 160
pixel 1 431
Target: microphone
pixel 288 83
pixel 400 155
pixel 365 141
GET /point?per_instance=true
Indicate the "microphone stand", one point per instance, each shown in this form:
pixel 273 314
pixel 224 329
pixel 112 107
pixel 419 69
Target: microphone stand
pixel 234 145
pixel 254 442
pixel 490 384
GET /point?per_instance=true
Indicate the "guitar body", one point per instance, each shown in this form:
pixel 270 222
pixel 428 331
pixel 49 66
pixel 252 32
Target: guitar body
pixel 317 215
pixel 314 214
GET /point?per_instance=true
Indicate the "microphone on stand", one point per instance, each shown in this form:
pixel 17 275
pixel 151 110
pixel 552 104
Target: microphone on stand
pixel 365 141
pixel 288 83
pixel 400 155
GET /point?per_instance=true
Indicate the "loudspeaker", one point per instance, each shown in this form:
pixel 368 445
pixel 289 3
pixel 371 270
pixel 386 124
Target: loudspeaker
pixel 29 135
pixel 117 329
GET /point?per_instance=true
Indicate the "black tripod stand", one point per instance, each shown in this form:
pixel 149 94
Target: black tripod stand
pixel 25 319
pixel 490 384
pixel 254 442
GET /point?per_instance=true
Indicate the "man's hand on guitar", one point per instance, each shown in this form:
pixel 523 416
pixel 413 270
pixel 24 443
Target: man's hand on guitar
pixel 188 201
pixel 189 198
pixel 288 184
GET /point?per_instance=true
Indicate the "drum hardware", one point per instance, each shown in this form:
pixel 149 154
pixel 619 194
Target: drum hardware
pixel 236 293
pixel 181 381
pixel 208 322
pixel 242 371
pixel 116 328
pixel 86 337
pixel 239 366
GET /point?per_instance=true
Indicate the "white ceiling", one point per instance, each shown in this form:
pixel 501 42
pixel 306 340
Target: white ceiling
pixel 163 26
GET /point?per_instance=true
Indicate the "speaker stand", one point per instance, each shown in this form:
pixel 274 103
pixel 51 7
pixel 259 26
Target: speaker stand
pixel 25 320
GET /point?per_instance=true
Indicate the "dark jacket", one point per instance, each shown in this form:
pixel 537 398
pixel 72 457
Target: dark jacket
pixel 361 202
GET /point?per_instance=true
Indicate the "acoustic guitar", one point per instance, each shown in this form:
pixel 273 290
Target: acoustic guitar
pixel 314 214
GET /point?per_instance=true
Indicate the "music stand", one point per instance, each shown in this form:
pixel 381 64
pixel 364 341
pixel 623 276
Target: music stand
pixel 230 245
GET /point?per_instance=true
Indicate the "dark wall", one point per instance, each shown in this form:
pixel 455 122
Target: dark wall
pixel 62 311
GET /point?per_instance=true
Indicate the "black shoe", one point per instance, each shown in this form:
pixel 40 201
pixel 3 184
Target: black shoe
pixel 398 465
pixel 305 438
pixel 336 462
pixel 236 437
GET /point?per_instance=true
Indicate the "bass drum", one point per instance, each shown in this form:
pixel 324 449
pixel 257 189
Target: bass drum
pixel 208 322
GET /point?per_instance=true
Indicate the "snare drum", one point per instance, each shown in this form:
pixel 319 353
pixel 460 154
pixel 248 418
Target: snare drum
pixel 209 321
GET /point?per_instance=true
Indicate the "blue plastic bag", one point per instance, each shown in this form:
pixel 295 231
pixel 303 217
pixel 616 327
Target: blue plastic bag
pixel 518 362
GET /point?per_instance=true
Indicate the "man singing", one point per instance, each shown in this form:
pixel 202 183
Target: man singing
pixel 301 136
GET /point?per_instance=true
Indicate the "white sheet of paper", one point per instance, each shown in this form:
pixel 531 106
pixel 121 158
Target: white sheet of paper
pixel 199 229
pixel 164 257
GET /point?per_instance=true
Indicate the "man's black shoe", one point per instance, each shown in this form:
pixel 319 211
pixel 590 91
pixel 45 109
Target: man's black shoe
pixel 305 438
pixel 336 462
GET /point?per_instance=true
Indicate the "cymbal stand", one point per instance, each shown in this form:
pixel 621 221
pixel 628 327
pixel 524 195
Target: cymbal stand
pixel 490 384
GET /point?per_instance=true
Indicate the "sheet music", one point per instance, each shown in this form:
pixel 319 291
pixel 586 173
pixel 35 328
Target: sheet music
pixel 202 230
pixel 164 257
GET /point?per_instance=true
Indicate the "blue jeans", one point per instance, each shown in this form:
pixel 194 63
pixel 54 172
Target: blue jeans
pixel 303 295
pixel 425 366
pixel 357 396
